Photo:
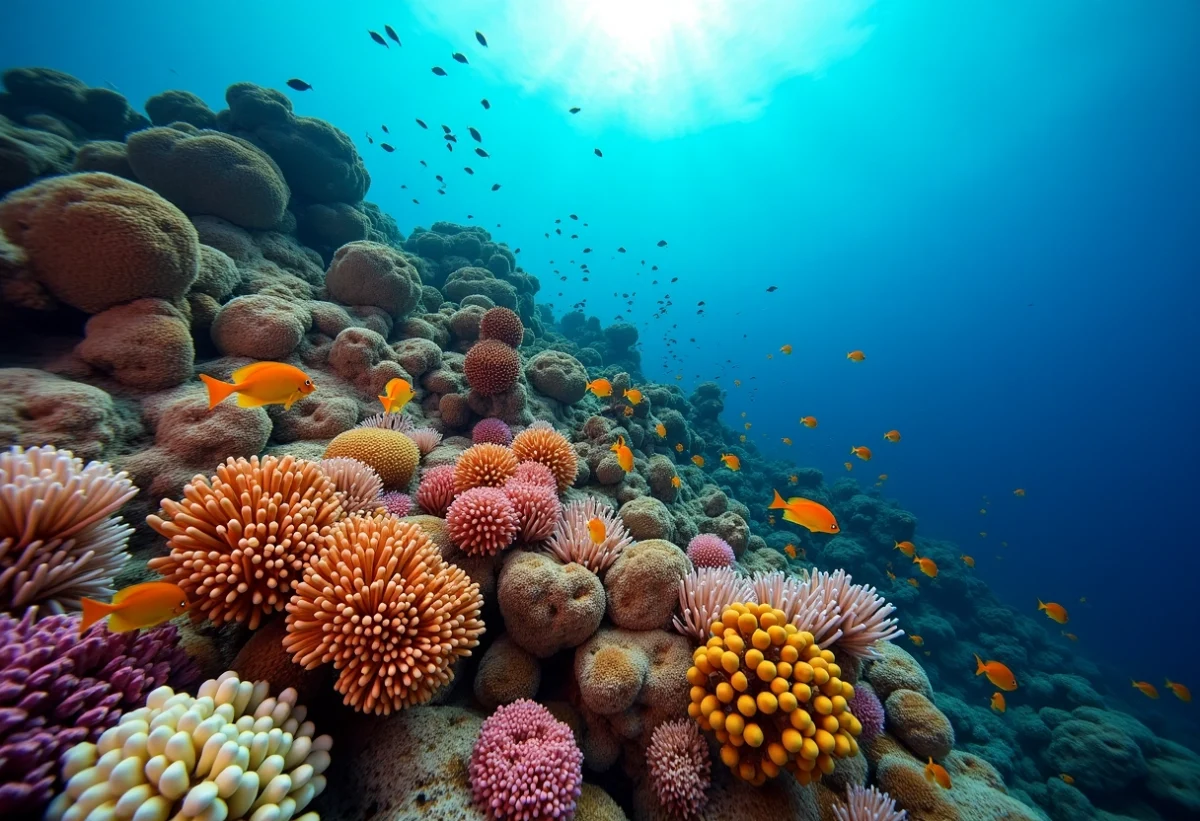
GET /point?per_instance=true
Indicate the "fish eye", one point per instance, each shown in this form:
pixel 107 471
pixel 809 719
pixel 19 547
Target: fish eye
pixel 307 382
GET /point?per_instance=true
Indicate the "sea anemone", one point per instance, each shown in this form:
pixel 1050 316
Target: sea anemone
pixel 381 604
pixel 482 521
pixel 388 421
pixel 503 324
pixel 704 594
pixel 707 550
pixel 358 484
pixel 864 617
pixel 492 367
pixel 239 540
pixel 525 765
pixel 537 508
pixel 572 542
pixel 679 768
pixel 436 490
pixel 810 605
pixel 396 503
pixel 426 439
pixel 59 539
pixel 491 430
pixel 542 443
pixel 867 804
pixel 484 465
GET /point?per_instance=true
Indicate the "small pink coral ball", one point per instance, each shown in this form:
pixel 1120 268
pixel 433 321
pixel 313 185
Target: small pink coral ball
pixel 707 550
pixel 491 431
pixel 482 521
pixel 436 490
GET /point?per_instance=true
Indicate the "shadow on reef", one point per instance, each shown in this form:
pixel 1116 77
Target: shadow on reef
pixel 429 587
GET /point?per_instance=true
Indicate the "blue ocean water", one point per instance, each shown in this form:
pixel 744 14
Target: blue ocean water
pixel 998 204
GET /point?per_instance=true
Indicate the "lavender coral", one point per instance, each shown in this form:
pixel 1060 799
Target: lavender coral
pixel 868 804
pixel 571 541
pixel 867 708
pixel 492 431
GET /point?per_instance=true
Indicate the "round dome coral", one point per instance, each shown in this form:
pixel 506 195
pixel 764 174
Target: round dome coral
pixel 492 367
pixel 436 491
pixel 707 550
pixel 535 472
pixel 502 324
pixel 396 503
pixel 542 443
pixel 392 454
pixel 482 521
pixel 484 465
pixel 494 431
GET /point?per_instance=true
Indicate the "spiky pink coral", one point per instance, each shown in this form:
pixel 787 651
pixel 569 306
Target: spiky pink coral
pixel 436 490
pixel 493 431
pixel 704 594
pixel 707 550
pixel 535 472
pixel 680 768
pixel 396 503
pixel 426 439
pixel 866 708
pixel 808 604
pixel 482 521
pixel 537 507
pixel 868 804
pixel 525 765
pixel 571 541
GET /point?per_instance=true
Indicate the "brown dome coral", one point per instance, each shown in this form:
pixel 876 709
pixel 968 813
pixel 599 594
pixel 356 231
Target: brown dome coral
pixel 503 325
pixel 542 443
pixel 492 367
pixel 392 454
pixel 368 273
pixel 240 539
pixel 382 605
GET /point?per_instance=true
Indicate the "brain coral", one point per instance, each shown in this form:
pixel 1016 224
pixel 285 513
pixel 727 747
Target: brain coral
pixel 542 443
pixel 506 673
pixel 211 173
pixel 707 550
pixel 174 772
pixel 417 613
pixel 357 483
pixel 59 537
pixel 502 324
pixel 482 521
pixel 548 606
pixel 494 431
pixel 468 281
pixel 95 240
pixel 537 506
pixel 491 367
pixel 174 106
pixel 525 765
pixel 436 490
pixel 37 406
pixel 260 326
pixel 392 454
pixel 484 465
pixel 558 375
pixel 636 580
pixel 369 273
pixel 896 669
pixel 240 539
pixel 680 768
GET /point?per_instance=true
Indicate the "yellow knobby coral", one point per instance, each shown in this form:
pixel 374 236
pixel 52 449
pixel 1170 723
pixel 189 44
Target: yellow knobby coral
pixel 392 454
pixel 772 697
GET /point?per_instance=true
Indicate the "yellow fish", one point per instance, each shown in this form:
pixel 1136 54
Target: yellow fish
pixel 678 377
pixel 928 566
pixel 396 394
pixel 698 461
pixel 936 772
pixel 731 461
pixel 806 513
pixel 737 383
pixel 633 395
pixel 787 441
pixel 983 511
pixel 890 575
pixel 906 547
pixel 883 477
pixel 676 482
pixel 1180 690
pixel 1070 636
pixel 601 387
pixel 597 531
pixel 786 349
pixel 913 582
pixel 1147 688
pixel 661 430
pixel 1054 610
pixel 983 534
pixel 263 383
pixel 1066 778
pixel 624 454
pixel 748 425
pixel 848 466
pixel 742 437
pixel 140 606
pixel 856 356
pixel 743 414
pixel 1019 492
pixel 808 421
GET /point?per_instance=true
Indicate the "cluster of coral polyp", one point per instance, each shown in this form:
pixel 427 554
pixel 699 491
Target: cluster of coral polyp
pixel 772 697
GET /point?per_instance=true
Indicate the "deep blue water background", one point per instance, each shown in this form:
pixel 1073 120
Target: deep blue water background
pixel 1001 206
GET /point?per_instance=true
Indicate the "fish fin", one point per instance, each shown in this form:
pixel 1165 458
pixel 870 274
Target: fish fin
pixel 245 401
pixel 117 623
pixel 93 611
pixel 777 503
pixel 247 370
pixel 1041 605
pixel 979 668
pixel 789 516
pixel 218 391
pixel 291 400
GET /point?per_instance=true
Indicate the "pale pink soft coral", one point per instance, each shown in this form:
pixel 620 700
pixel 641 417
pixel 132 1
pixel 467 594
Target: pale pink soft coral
pixel 396 503
pixel 426 439
pixel 535 472
pixel 868 804
pixel 493 431
pixel 680 768
pixel 525 765
pixel 537 507
pixel 704 594
pixel 707 550
pixel 864 618
pixel 436 490
pixel 571 541
pixel 482 521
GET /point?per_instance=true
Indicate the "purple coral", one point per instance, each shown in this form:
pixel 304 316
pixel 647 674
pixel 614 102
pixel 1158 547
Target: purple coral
pixel 396 503
pixel 491 431
pixel 865 706
pixel 707 550
pixel 680 768
pixel 57 690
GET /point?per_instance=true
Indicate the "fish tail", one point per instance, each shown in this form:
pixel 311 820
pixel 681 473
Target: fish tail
pixel 979 668
pixel 1041 605
pixel 218 391
pixel 93 611
pixel 777 503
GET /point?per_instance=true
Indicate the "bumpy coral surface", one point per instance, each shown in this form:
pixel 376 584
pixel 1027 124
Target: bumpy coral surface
pixel 436 490
pixel 572 542
pixel 392 454
pixel 542 443
pixel 485 465
pixel 494 431
pixel 502 324
pixel 370 273
pixel 680 768
pixel 396 503
pixel 548 606
pixel 492 367
pixel 650 565
pixel 525 765
pixel 379 603
pixel 204 757
pixel 240 539
pixel 59 539
pixel 535 473
pixel 707 550
pixel 482 521
pixel 357 483
pixel 868 710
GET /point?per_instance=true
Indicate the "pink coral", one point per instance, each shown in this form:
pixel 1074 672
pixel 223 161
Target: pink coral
pixel 571 541
pixel 865 706
pixel 537 507
pixel 680 768
pixel 482 521
pixel 525 765
pixel 492 430
pixel 867 804
pixel 426 439
pixel 436 490
pixel 396 503
pixel 535 472
pixel 388 421
pixel 703 596
pixel 707 550
pixel 865 618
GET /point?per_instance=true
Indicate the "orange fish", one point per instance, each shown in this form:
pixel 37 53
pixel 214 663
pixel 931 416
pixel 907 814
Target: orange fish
pixel 787 441
pixel 913 582
pixel 790 549
pixel 883 477
pixel 891 575
pixel 1019 492
pixel 1146 687
pixel 892 436
pixel 597 531
pixel 856 356
pixel 862 452
pixel 917 640
pixel 679 447
pixel 936 772
pixel 806 513
pixel 628 410
pixel 928 566
pixel 661 430
pixel 1181 692
pixel 808 421
pixel 624 454
pixel 731 461
pixel 676 482
pixel 787 349
pixel 1070 636
pixel 263 383
pixel 633 395
pixel 848 466
pixel 748 425
pixel 140 606
pixel 601 387
pixel 997 673
pixel 907 548
pixel 396 394
pixel 737 383
pixel 967 560
pixel 1066 778
pixel 698 460
pixel 1054 611
pixel 793 479
pixel 998 703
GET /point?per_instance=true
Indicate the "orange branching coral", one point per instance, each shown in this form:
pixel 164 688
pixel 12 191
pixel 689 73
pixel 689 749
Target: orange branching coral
pixel 382 605
pixel 240 539
pixel 485 465
pixel 542 443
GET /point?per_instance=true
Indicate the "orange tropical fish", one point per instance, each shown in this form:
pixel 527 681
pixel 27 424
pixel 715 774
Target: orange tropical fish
pixel 1070 636
pixel 787 349
pixel 790 549
pixel 913 582
pixel 892 436
pixel 624 454
pixel 793 479
pixel 928 566
pixel 1054 610
pixel 141 606
pixel 787 441
pixel 601 387
pixel 806 513
pixel 848 466
pixel 263 383
pixel 597 531
pixel 628 410
pixel 1146 687
pixel 633 395
pixel 917 640
pixel 808 421
pixel 731 461
pixel 679 447
pixel 676 482
pixel 890 575
pixel 737 383
pixel 1181 692
pixel 907 548
pixel 998 702
pixel 396 394
pixel 1019 492
pixel 661 430
pixel 967 560
pixel 862 452
pixel 698 460
pixel 936 772
pixel 1066 778
pixel 856 356
pixel 997 673
pixel 742 438
pixel 748 425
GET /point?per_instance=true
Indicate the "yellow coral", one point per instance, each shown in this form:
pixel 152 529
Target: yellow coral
pixel 393 455
pixel 772 697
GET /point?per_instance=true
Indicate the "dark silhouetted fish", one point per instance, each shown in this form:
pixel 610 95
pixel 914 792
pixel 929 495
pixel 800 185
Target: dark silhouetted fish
pixel 517 251
pixel 439 71
pixel 372 142
pixel 416 201
pixel 495 186
pixel 378 38
pixel 386 147
pixel 772 288
pixel 475 134
pixel 458 55
pixel 662 243
pixel 299 85
pixel 441 191
pixel 404 186
pixel 621 250
pixel 482 40
pixel 674 279
pixel 559 232
pixel 587 250
pixel 574 236
pixel 391 32
pixel 573 216
pixel 424 164
pixel 450 147
pixel 598 152
pixel 556 222
pixel 574 110
pixel 482 153
pixel 438 177
pixel 421 123
pixel 468 169
pixel 655 268
pixel 485 103
pixel 450 138
pixel 385 129
pixel 446 129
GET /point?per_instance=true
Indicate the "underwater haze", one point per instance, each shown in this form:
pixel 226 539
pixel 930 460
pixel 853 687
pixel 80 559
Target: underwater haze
pixel 998 205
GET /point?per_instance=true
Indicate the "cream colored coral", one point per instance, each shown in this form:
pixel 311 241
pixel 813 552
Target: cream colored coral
pixel 232 752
